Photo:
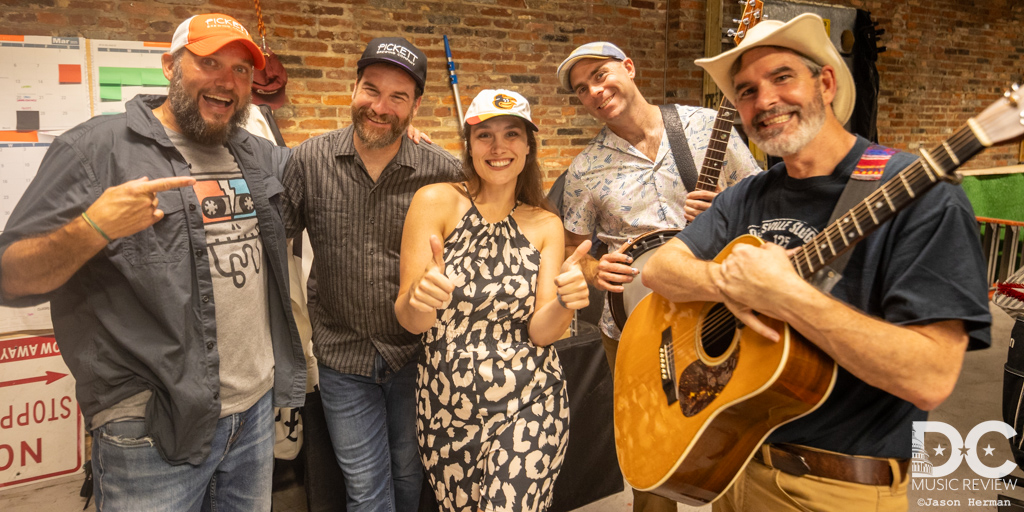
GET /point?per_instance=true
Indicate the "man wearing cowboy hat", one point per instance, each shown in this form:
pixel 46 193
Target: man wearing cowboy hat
pixel 647 192
pixel 912 299
pixel 155 237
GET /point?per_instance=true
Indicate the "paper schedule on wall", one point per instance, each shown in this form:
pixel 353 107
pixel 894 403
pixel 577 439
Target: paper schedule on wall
pixel 41 83
pixel 122 69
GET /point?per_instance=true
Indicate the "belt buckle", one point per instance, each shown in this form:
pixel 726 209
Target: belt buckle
pixel 796 470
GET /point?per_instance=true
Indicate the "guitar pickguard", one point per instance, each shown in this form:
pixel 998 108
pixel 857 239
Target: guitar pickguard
pixel 700 384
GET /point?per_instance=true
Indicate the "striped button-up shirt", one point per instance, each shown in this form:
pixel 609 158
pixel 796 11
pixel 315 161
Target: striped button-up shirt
pixel 355 228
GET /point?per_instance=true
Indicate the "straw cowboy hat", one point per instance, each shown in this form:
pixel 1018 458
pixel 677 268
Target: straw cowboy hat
pixel 804 34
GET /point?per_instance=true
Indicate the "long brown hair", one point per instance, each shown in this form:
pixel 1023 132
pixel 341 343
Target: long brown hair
pixel 529 188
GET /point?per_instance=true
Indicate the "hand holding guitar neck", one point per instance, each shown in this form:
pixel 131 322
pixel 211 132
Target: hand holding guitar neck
pixel 697 202
pixel 572 286
pixel 613 270
pixel 434 289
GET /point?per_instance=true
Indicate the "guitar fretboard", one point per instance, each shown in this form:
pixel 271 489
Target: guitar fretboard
pixel 884 203
pixel 714 157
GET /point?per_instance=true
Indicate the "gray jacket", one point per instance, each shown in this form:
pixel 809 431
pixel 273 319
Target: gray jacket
pixel 140 314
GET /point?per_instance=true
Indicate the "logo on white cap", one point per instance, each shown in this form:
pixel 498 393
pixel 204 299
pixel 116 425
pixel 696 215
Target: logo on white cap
pixel 504 102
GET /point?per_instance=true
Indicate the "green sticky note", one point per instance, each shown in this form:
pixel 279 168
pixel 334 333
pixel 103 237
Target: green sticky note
pixel 110 76
pixel 131 76
pixel 154 78
pixel 110 92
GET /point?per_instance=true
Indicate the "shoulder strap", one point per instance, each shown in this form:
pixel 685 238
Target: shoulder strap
pixel 865 179
pixel 268 114
pixel 465 188
pixel 680 149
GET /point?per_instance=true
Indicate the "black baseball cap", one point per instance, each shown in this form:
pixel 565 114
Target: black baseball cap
pixel 397 51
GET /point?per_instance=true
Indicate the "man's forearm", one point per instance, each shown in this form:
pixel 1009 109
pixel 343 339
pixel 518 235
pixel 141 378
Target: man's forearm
pixel 919 364
pixel 38 265
pixel 676 274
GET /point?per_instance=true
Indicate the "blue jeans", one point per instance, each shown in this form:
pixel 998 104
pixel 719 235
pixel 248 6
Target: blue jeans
pixel 129 474
pixel 372 421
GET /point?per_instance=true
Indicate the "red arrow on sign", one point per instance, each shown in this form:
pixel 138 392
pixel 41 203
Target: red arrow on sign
pixel 49 377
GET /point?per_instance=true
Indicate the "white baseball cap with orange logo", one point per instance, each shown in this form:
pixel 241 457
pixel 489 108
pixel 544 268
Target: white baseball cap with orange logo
pixel 498 102
pixel 205 34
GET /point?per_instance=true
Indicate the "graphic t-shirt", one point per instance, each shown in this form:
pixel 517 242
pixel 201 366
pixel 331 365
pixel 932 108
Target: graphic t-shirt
pixel 925 265
pixel 236 258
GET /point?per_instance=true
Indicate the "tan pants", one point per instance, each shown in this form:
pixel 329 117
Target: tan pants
pixel 642 501
pixel 760 487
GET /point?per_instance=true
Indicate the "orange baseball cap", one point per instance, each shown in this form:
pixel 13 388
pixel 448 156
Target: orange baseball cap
pixel 204 34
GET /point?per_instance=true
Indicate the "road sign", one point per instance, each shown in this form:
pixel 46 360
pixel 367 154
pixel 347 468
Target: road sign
pixel 41 430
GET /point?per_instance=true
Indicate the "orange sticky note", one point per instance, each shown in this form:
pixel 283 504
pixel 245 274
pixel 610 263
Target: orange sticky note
pixel 70 73
pixel 15 136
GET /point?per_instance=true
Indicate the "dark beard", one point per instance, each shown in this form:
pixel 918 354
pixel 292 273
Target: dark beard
pixel 375 139
pixel 186 112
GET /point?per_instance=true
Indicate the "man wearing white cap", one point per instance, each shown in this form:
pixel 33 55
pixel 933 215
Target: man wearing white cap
pixel 627 182
pixel 912 299
pixel 155 237
pixel 350 189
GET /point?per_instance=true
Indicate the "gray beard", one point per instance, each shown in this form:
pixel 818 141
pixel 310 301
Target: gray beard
pixel 186 113
pixel 374 139
pixel 811 121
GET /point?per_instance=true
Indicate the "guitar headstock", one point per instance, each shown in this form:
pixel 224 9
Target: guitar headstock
pixel 753 13
pixel 1002 120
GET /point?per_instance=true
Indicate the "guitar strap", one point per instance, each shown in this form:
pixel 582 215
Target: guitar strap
pixel 680 149
pixel 865 179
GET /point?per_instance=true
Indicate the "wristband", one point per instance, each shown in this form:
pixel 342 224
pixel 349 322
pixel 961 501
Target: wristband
pixel 97 228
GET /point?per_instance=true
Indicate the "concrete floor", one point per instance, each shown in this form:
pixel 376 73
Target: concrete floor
pixel 977 398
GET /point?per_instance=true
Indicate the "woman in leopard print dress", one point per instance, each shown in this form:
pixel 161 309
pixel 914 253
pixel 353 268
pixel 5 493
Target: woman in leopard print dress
pixel 493 414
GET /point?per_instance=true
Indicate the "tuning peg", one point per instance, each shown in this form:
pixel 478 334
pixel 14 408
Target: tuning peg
pixel 879 32
pixel 1014 87
pixel 881 49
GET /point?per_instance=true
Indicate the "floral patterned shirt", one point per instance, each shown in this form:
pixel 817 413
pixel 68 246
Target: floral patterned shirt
pixel 614 190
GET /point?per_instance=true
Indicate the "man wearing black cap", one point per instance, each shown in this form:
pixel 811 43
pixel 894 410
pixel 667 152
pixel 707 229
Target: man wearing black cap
pixel 351 189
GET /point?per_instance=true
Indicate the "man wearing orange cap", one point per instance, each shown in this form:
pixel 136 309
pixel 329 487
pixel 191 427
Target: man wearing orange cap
pixel 911 299
pixel 155 238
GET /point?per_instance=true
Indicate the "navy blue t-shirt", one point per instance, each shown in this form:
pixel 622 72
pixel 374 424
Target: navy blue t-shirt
pixel 923 266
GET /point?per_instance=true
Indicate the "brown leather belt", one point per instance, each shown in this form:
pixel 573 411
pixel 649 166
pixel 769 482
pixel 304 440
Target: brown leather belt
pixel 799 461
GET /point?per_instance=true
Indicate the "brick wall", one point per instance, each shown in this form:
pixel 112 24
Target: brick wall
pixel 946 58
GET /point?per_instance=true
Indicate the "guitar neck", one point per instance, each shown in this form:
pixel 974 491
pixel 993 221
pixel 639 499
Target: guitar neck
pixel 884 203
pixel 714 157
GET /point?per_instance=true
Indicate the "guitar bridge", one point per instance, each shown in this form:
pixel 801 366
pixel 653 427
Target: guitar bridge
pixel 667 357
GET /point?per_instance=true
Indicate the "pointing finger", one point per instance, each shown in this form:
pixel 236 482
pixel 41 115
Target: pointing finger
pixel 162 184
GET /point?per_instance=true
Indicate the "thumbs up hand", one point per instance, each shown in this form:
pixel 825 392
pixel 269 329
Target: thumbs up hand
pixel 571 285
pixel 433 289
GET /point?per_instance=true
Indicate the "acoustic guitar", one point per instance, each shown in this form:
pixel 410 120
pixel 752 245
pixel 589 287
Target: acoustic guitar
pixel 696 394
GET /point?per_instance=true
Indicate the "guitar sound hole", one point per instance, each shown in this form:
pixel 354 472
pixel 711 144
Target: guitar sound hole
pixel 717 330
